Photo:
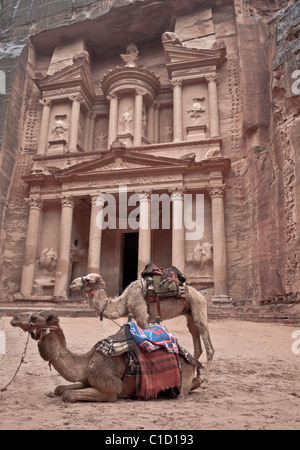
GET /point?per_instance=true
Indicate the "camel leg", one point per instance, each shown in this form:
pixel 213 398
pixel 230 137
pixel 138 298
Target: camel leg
pixel 195 335
pixel 200 322
pixel 59 390
pixel 89 395
pixel 202 327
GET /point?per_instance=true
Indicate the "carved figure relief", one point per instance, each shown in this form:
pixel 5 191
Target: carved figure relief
pixel 200 259
pixel 126 121
pixel 144 122
pixel 48 259
pixel 59 127
pixel 101 140
pixel 131 56
pixel 167 132
pixel 196 108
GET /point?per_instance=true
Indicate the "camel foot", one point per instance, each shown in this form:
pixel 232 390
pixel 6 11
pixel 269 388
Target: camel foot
pixel 88 395
pixel 196 383
pixel 59 390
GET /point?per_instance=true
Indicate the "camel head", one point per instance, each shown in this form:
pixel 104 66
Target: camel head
pixel 88 282
pixel 35 322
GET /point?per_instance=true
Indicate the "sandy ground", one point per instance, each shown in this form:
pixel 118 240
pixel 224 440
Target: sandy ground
pixel 254 383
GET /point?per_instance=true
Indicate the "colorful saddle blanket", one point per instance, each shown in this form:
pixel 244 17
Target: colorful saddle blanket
pixel 153 338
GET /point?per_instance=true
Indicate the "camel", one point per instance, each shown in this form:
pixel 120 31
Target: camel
pixel 132 301
pixel 96 378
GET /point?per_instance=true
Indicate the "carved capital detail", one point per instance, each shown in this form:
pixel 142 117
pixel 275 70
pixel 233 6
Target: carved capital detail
pixel 212 78
pixel 140 91
pixel 35 203
pixel 177 82
pixel 76 98
pixel 97 200
pixel 144 196
pixel 45 101
pixel 176 194
pixel 67 200
pixel 217 191
pixel 111 96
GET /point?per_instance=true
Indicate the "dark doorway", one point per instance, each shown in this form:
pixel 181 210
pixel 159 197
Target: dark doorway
pixel 130 258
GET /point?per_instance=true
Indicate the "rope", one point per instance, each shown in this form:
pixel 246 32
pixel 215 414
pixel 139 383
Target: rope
pixel 21 362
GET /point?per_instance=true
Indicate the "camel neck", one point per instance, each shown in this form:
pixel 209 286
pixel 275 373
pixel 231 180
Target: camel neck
pixel 70 366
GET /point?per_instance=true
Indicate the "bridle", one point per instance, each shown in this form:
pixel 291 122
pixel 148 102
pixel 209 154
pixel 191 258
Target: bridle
pixel 44 327
pixel 91 293
pixel 94 286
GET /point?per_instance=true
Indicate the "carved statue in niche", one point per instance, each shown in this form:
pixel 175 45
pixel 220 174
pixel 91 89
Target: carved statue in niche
pixel 60 126
pixel 126 121
pixel 167 132
pixel 144 122
pixel 48 259
pixel 101 140
pixel 196 108
pixel 201 259
pixel 131 57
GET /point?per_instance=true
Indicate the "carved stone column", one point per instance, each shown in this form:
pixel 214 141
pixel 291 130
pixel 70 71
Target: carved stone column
pixel 177 109
pixel 28 272
pixel 156 121
pixel 217 194
pixel 151 123
pixel 44 127
pixel 138 117
pixel 92 131
pixel 178 232
pixel 87 124
pixel 74 123
pixel 144 252
pixel 94 255
pixel 113 118
pixel 212 81
pixel 63 261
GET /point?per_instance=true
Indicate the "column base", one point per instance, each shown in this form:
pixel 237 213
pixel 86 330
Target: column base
pixel 221 300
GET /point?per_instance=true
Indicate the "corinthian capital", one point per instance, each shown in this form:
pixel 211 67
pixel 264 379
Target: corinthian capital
pixel 76 98
pixel 213 77
pixel 140 91
pixel 45 101
pixel 34 202
pixel 67 200
pixel 176 82
pixel 217 191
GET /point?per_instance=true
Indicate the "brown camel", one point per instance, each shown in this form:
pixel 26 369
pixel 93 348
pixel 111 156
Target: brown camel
pixel 132 301
pixel 97 378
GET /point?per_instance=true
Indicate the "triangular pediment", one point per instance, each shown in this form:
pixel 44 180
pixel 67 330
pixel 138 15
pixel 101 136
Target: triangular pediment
pixel 120 161
pixel 76 75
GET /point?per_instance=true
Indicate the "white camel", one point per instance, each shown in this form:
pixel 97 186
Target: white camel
pixel 132 301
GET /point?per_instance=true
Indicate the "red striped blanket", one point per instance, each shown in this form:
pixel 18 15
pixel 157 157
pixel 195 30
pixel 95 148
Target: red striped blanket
pixel 157 371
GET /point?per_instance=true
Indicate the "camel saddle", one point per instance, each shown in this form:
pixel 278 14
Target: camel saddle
pixel 159 284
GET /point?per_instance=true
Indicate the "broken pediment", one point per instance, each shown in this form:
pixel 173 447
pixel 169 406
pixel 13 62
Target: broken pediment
pixel 77 75
pixel 178 57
